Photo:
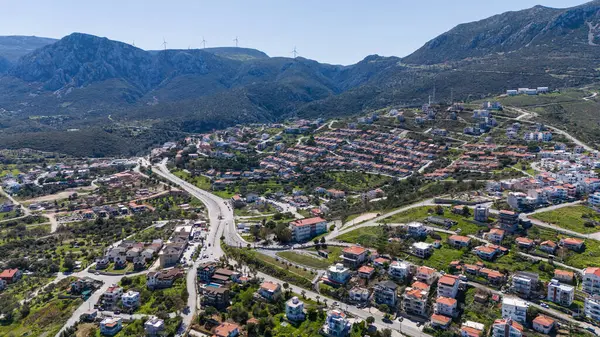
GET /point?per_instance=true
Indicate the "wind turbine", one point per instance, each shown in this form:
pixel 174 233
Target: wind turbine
pixel 236 41
pixel 295 52
pixel 203 43
pixel 164 43
pixel 133 43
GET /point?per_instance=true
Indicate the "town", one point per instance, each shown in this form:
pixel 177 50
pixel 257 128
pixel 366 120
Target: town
pixel 440 220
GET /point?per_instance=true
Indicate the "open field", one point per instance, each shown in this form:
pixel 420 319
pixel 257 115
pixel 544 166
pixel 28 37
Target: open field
pixel 304 260
pixel 573 218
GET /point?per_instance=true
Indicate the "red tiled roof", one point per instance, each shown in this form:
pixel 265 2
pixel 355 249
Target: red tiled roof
pixel 307 222
pixel 586 271
pixel 366 269
pixel 448 280
pixel 425 270
pixel 459 238
pixel 8 273
pixel 440 319
pixel 356 250
pixel 543 320
pixel 471 332
pixel 446 301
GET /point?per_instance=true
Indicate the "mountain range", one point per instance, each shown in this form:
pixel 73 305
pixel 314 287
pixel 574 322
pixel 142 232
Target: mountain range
pixel 125 98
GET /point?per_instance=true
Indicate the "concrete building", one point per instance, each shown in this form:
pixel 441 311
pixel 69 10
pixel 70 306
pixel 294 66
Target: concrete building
pixel 543 324
pixel 110 326
pixel 270 290
pixel 354 256
pixel 508 220
pixel 426 274
pixel 514 308
pixel 422 249
pixel 384 292
pixel 471 329
pixel 217 297
pixel 336 324
pixel 400 270
pixel 305 229
pixel 338 274
pixel 560 293
pixel 131 299
pixel 591 307
pixel 591 280
pixel 524 283
pixel 154 326
pixel 415 301
pixel 417 230
pixel 448 286
pixel 226 329
pixel 294 309
pixel 358 294
pixel 507 328
pixel 446 306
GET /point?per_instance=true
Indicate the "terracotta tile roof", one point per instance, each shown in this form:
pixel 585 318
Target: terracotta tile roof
pixel 446 301
pixel 565 273
pixel 307 222
pixel 415 293
pixel 471 332
pixel 381 260
pixel 356 250
pixel 269 286
pixel 8 273
pixel 572 241
pixel 513 324
pixel 587 271
pixel 549 243
pixel 224 329
pixel 448 280
pixel 460 238
pixel 524 241
pixel 440 319
pixel 497 231
pixel 543 320
pixel 366 269
pixel 485 249
pixel 425 270
pixel 420 286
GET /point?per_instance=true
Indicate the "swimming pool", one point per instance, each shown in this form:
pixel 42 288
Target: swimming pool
pixel 214 285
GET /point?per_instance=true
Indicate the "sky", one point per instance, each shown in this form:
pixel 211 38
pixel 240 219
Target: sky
pixel 330 31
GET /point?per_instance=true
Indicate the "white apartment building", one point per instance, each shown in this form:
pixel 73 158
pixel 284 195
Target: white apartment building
pixel 591 307
pixel 507 328
pixel 131 299
pixel 305 229
pixel 448 286
pixel 422 249
pixel 560 293
pixel 591 280
pixel 400 269
pixel 294 309
pixel 515 309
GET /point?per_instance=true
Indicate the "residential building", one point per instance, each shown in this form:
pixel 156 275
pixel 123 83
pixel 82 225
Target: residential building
pixel 507 328
pixel 459 241
pixel 440 321
pixel 171 253
pixel 446 306
pixel 496 235
pixel 112 294
pixel 338 274
pixel 564 275
pixel 524 243
pixel 548 246
pixel 206 270
pixel 415 301
pixel 154 326
pixel 358 294
pixel 11 275
pixel 226 329
pixel 3 284
pixel 543 324
pixel 481 213
pixel 594 199
pixel 294 309
pixel 354 256
pixel 336 324
pixel 270 290
pixel 400 270
pixel 217 297
pixel 426 274
pixel 560 293
pixel 162 279
pixel 591 307
pixel 110 326
pixel 422 249
pixel 131 299
pixel 448 286
pixel 417 230
pixel 305 229
pixel 486 252
pixel 514 308
pixel 572 244
pixel 384 292
pixel 524 283
pixel 224 276
pixel 366 272
pixel 508 220
pixel 381 262
pixel 591 280
pixel 471 329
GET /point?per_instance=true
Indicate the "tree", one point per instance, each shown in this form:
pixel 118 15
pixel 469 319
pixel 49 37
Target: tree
pixel 383 308
pixel 323 240
pixel 439 210
pixel 370 320
pixel 68 264
pixel 466 211
pixel 303 293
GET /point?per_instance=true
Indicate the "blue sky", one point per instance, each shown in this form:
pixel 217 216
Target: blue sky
pixel 332 31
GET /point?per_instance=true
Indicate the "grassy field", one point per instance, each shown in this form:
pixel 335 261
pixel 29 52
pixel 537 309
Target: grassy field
pixel 305 260
pixel 421 213
pixel 571 218
pixel 357 181
pixel 166 300
pixel 365 236
pixel 278 264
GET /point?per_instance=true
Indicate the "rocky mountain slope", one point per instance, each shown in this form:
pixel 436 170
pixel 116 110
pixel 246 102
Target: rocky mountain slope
pixel 91 83
pixel 13 47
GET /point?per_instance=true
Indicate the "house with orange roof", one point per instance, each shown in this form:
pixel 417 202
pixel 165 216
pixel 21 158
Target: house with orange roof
pixel 448 286
pixel 415 301
pixel 471 329
pixel 381 262
pixel 543 324
pixel 524 243
pixel 366 272
pixel 471 268
pixel 496 235
pixel 304 229
pixel 354 256
pixel 459 241
pixel 446 306
pixel 548 246
pixel 591 281
pixel 426 274
pixel 226 329
pixel 564 275
pixel 269 290
pixel 440 321
pixel 572 244
pixel 493 276
pixel 486 252
pixel 11 275
pixel 507 327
